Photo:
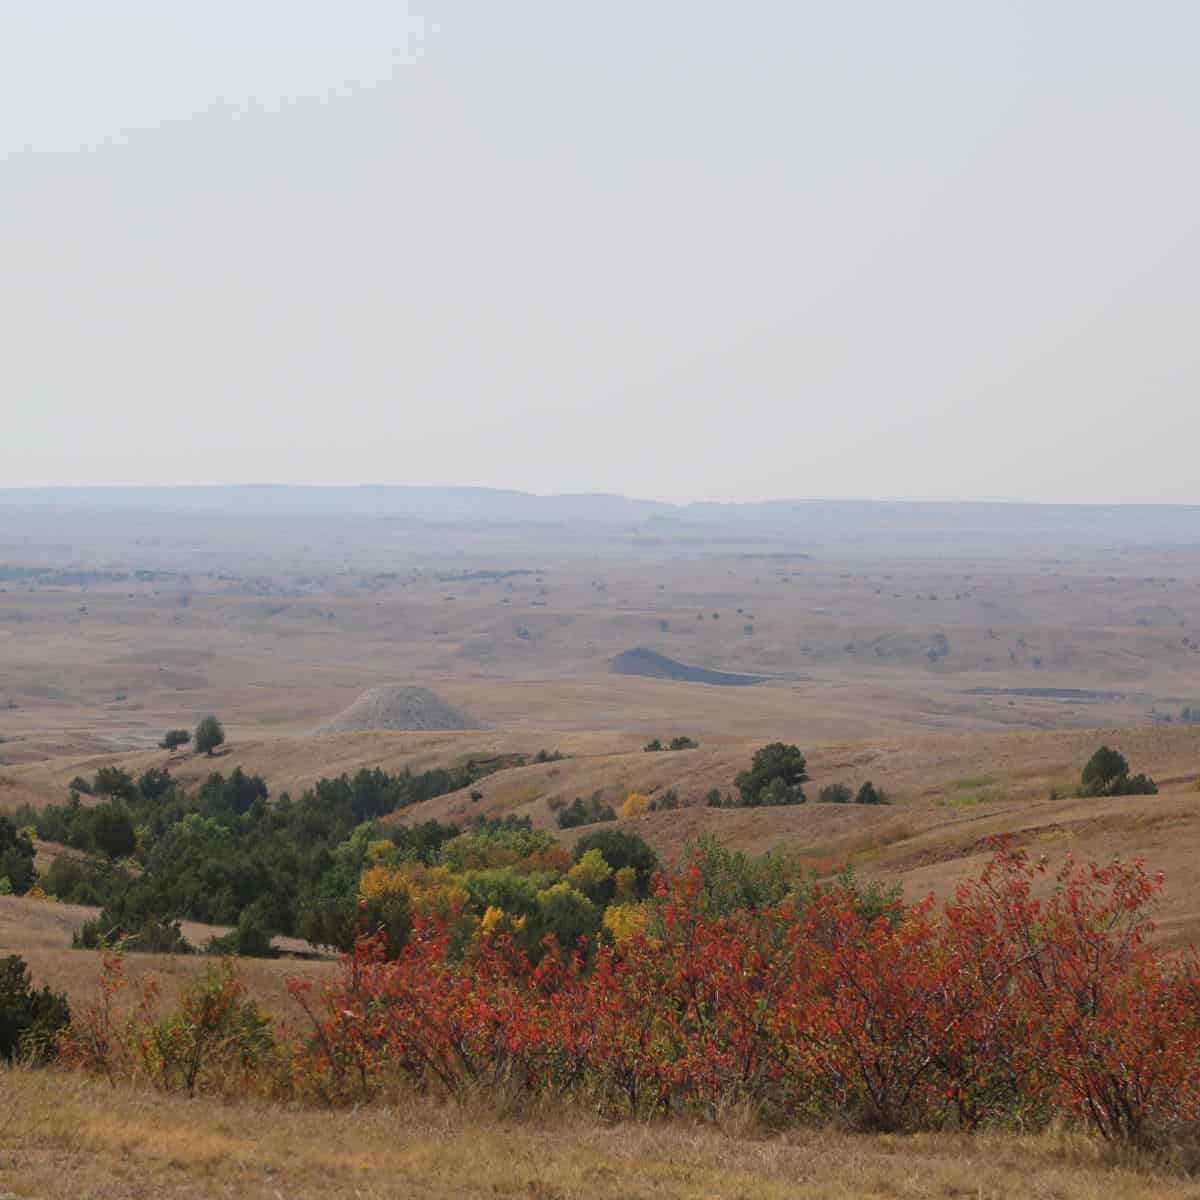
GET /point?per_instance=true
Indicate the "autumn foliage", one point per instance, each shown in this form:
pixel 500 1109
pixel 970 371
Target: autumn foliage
pixel 1026 998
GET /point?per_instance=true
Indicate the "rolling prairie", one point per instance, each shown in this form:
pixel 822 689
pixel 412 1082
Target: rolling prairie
pixel 967 659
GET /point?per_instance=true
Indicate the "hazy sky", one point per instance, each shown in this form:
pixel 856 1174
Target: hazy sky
pixel 896 249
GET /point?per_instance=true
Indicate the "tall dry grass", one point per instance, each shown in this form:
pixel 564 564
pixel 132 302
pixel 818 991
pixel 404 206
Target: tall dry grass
pixel 66 1136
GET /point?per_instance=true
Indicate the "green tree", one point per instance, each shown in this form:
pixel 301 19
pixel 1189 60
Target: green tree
pixel 568 914
pixel 154 783
pixel 775 775
pixel 209 735
pixel 1107 774
pixel 112 831
pixel 731 881
pixel 620 849
pixel 1103 769
pixel 16 857
pixel 591 875
pixel 174 738
pixel 113 783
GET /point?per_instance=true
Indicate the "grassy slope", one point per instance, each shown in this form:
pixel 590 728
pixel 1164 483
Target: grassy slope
pixel 952 791
pixel 65 1136
pixel 40 932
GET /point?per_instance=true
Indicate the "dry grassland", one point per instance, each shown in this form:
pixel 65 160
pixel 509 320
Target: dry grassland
pixel 40 932
pixel 69 1138
pixel 279 627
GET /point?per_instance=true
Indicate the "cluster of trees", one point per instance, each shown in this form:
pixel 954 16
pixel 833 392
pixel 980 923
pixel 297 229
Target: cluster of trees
pixel 655 745
pixel 841 793
pixel 320 866
pixel 585 812
pixel 210 734
pixel 155 855
pixel 484 882
pixel 1107 774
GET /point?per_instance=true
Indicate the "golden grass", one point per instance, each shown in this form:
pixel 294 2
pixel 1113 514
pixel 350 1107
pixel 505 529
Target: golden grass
pixel 512 798
pixel 40 932
pixel 67 1136
pixel 77 972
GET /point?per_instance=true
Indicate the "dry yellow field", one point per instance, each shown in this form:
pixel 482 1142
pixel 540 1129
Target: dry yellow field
pixel 68 1137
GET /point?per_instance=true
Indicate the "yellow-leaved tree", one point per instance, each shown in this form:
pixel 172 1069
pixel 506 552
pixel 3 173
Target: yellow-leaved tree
pixel 624 921
pixel 635 803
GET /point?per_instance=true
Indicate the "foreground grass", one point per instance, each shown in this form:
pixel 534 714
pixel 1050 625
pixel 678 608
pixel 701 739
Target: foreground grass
pixel 65 1135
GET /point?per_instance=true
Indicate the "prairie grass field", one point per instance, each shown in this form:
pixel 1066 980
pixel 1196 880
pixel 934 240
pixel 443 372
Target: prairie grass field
pixel 64 1136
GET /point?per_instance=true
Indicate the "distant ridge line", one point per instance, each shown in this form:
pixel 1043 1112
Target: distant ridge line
pixel 480 504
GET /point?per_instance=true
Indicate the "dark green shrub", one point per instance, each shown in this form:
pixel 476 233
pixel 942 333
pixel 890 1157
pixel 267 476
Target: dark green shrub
pixel 666 801
pixel 1134 785
pixel 83 881
pixel 870 794
pixel 30 1021
pixel 16 857
pixel 835 793
pixel 152 936
pixel 132 921
pixel 585 812
pixel 676 743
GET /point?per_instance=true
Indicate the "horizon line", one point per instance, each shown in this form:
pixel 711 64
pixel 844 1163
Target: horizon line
pixel 11 489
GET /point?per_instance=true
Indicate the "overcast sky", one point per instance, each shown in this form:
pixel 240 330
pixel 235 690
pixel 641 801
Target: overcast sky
pixel 898 249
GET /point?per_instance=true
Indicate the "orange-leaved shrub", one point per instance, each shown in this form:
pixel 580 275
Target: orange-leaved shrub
pixel 1024 999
